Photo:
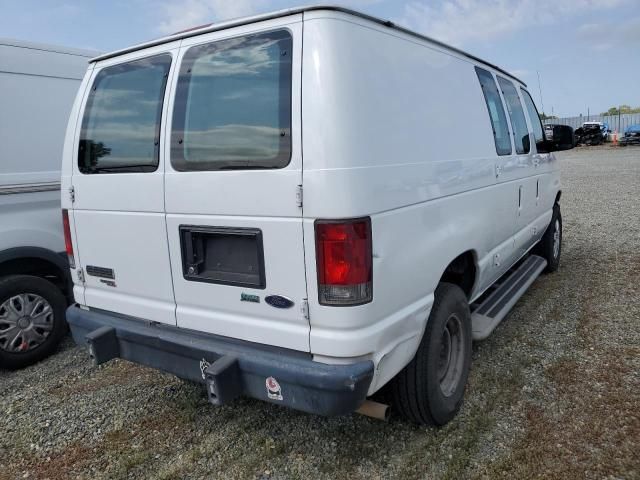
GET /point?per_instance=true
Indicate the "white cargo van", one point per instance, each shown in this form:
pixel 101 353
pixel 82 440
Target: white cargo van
pixel 38 84
pixel 263 205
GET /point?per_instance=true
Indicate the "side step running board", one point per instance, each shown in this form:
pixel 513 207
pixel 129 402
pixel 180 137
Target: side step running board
pixel 488 314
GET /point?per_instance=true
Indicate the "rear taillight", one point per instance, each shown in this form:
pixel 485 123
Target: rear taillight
pixel 344 261
pixel 67 238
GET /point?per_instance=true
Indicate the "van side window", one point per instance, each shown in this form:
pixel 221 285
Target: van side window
pixel 233 104
pixel 534 118
pixel 516 115
pixel 496 112
pixel 121 124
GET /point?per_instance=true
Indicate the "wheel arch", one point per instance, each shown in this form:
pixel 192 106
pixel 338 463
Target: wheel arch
pixel 462 271
pixel 39 262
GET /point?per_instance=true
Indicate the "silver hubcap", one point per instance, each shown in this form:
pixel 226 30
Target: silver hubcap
pixel 451 358
pixel 556 239
pixel 26 320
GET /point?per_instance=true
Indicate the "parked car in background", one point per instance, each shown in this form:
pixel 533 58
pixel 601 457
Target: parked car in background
pixel 631 136
pixel 204 246
pixel 592 133
pixel 38 84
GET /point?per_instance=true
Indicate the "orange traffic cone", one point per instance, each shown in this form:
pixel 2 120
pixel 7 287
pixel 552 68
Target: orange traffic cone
pixel 615 138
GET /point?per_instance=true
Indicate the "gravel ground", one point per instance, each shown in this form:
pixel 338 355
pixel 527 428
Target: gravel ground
pixel 554 393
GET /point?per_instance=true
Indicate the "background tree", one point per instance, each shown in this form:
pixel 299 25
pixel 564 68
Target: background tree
pixel 622 109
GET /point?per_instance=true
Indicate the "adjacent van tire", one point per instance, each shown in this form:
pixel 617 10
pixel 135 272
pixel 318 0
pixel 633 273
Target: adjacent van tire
pixel 35 321
pixel 430 389
pixel 550 245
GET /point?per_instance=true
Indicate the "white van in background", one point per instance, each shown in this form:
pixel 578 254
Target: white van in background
pixel 37 86
pixel 264 205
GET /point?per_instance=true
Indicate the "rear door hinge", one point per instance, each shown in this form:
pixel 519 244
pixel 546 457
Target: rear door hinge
pixel 81 276
pixel 299 196
pixel 72 194
pixel 305 308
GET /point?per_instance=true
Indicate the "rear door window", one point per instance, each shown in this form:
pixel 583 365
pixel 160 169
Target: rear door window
pixel 233 104
pixel 121 124
pixel 516 115
pixel 534 118
pixel 496 112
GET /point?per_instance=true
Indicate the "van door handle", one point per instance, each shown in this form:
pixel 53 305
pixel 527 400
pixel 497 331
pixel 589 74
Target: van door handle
pixel 194 249
pixel 519 199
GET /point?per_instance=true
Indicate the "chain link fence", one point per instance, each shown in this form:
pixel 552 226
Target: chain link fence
pixel 617 123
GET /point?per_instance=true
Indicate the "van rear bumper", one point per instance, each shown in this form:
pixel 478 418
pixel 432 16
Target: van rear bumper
pixel 229 367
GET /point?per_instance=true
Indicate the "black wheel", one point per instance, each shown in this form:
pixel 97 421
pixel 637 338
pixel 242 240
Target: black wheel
pixel 550 245
pixel 430 389
pixel 32 320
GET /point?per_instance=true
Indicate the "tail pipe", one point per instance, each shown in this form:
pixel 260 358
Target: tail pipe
pixel 376 410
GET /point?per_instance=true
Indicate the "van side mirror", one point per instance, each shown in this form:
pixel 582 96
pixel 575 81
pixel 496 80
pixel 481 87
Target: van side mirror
pixel 563 138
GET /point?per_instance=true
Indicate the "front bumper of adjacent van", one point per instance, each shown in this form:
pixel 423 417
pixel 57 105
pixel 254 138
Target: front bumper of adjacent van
pixel 229 367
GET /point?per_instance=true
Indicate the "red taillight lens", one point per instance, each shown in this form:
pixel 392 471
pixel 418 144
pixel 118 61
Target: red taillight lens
pixel 67 238
pixel 344 261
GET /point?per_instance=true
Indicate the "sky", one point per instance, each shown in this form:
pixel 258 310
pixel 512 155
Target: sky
pixel 584 51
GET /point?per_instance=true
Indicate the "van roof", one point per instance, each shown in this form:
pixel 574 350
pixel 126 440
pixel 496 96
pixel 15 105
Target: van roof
pixel 292 11
pixel 11 42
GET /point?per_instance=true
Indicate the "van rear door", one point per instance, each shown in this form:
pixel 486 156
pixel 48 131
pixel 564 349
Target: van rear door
pixel 233 185
pixel 118 187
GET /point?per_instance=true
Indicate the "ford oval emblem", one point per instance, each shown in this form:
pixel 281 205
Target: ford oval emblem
pixel 279 301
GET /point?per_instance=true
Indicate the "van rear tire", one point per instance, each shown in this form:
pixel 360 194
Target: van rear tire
pixel 430 389
pixel 36 321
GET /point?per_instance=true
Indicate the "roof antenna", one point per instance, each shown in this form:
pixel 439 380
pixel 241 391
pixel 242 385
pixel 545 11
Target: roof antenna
pixel 540 88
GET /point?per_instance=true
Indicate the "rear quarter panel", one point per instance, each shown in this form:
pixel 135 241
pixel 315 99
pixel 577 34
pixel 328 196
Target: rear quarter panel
pixel 396 129
pixel 31 220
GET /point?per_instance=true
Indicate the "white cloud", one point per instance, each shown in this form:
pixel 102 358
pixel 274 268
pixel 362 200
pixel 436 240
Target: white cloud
pixel 180 15
pixel 461 22
pixel 249 60
pixel 605 36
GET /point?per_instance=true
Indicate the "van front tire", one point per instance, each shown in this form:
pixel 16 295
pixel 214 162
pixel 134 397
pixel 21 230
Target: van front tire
pixel 430 389
pixel 32 320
